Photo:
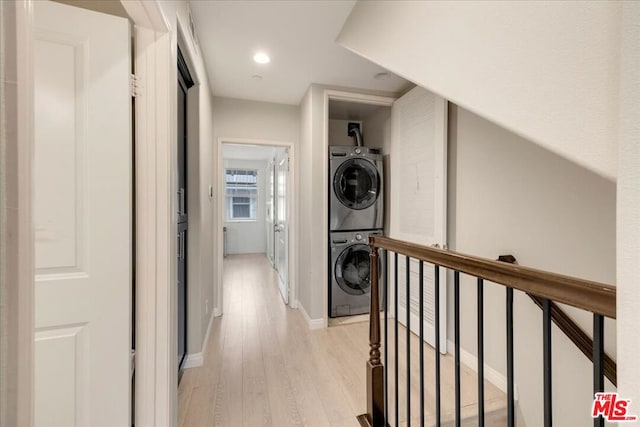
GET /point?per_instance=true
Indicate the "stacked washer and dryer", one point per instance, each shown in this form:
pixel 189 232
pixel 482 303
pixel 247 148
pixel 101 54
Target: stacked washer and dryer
pixel 356 209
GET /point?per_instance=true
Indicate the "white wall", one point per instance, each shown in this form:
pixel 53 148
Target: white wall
pixel 307 269
pixel 628 233
pixel 239 118
pixel 545 70
pixel 509 196
pixel 376 129
pixel 338 132
pixel 313 256
pixel 249 237
pixel 200 177
pixel 314 288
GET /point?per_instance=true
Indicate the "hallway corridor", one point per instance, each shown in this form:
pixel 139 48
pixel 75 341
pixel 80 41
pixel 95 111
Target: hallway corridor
pixel 263 366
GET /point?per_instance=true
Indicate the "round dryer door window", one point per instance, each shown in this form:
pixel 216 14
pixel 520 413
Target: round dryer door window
pixel 352 270
pixel 357 183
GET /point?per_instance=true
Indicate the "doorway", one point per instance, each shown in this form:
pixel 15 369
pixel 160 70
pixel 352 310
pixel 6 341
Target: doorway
pixel 185 82
pixel 257 206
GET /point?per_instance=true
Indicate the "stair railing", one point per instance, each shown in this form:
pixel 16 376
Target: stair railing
pixel 545 288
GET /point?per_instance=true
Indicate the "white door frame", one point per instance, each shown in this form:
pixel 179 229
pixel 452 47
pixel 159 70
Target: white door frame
pixel 156 377
pixel 336 95
pixel 156 150
pixel 292 214
pixel 17 232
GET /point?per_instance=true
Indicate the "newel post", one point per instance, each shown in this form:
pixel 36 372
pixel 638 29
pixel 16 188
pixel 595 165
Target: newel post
pixel 375 370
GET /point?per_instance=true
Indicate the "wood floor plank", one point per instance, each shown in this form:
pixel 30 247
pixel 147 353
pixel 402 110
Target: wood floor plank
pixel 263 366
pixel 255 399
pixel 201 404
pixel 184 393
pixel 228 410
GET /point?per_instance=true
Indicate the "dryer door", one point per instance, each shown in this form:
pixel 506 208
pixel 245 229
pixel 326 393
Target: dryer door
pixel 352 270
pixel 357 184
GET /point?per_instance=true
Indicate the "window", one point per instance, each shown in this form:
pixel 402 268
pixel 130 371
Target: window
pixel 242 194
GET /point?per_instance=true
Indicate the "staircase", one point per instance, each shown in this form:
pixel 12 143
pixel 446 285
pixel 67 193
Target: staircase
pixel 425 393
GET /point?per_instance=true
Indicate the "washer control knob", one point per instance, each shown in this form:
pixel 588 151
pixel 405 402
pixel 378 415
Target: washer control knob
pixel 358 236
pixel 358 150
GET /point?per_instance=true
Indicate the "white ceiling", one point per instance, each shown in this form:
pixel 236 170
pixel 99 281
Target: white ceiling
pixel 300 38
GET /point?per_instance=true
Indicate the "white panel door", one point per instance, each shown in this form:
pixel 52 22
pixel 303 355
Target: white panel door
pixel 282 223
pixel 419 199
pixel 82 212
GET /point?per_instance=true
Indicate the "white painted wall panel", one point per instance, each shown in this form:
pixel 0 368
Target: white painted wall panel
pixel 418 203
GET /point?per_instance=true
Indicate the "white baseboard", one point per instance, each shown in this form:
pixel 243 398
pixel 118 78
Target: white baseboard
pixel 312 323
pixel 205 343
pixel 195 360
pixel 490 374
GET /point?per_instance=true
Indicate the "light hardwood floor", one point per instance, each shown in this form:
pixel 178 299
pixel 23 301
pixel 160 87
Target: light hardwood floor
pixel 264 367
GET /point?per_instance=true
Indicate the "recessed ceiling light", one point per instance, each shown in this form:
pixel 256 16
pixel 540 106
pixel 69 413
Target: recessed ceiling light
pixel 381 76
pixel 261 58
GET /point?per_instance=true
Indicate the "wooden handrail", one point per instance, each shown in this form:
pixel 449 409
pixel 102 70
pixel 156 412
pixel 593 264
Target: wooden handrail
pixel 579 337
pixel 571 329
pixel 544 288
pixel 591 296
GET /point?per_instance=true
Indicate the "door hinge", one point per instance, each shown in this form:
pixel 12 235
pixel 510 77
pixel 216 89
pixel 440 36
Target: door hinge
pixel 135 86
pixel 288 164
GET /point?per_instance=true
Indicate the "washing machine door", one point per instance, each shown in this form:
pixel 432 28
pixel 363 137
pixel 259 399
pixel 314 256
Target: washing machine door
pixel 357 184
pixel 352 270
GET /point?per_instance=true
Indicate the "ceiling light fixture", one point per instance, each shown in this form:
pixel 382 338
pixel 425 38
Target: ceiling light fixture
pixel 261 58
pixel 381 76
